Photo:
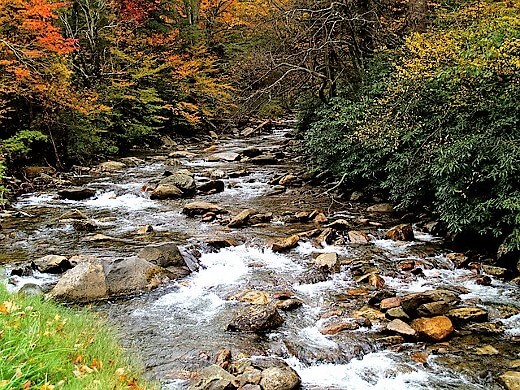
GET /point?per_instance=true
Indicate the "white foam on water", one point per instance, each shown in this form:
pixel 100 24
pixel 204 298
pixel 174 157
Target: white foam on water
pixel 128 201
pixel 426 237
pixel 36 200
pixel 225 268
pixel 377 371
pixel 513 325
pixel 37 278
pixel 395 247
pixel 306 248
pixel 314 338
pixel 315 289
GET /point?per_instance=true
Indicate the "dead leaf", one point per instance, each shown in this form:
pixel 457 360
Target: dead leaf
pixel 96 364
pixel 47 386
pixel 77 359
pixel 26 385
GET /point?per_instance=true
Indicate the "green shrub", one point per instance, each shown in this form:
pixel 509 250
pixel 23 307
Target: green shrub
pixel 437 123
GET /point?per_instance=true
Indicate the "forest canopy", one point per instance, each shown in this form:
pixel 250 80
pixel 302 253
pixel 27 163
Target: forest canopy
pixel 417 100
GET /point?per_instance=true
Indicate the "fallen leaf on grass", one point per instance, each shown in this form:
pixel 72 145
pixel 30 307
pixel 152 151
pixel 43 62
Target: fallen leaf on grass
pixel 81 370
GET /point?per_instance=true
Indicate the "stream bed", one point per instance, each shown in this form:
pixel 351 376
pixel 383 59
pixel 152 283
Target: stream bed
pixel 177 328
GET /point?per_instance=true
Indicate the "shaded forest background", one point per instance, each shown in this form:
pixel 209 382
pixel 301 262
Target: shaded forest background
pixel 413 99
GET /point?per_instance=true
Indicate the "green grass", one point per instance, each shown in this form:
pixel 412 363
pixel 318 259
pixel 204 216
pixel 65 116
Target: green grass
pixel 46 346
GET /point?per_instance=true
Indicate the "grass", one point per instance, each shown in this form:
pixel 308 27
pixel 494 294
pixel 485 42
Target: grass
pixel 46 346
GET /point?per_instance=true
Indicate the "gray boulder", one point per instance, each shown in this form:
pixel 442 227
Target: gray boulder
pixel 163 255
pixel 83 283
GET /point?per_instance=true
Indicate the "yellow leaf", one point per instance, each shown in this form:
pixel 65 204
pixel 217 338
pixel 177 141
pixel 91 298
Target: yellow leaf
pixel 47 386
pixel 121 374
pixel 4 382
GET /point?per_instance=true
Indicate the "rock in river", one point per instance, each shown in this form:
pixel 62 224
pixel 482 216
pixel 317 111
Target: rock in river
pixel 83 283
pixel 285 244
pixel 76 193
pixel 403 232
pixel 53 264
pixel 200 208
pixel 436 328
pixel 256 318
pixel 163 255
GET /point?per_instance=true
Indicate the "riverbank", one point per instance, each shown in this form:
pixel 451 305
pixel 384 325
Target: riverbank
pixel 46 346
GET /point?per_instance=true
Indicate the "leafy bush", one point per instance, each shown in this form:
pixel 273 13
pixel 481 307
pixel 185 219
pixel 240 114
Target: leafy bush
pixel 437 123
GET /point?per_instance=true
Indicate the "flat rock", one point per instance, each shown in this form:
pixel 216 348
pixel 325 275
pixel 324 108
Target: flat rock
pixel 436 328
pixel 389 303
pixel 468 314
pixel 336 328
pixel 76 193
pixel 357 237
pixel 212 378
pixel 53 264
pixel 339 224
pixel 511 380
pixel 286 244
pixel 403 232
pixel 223 156
pixel 255 297
pixel 163 255
pixel 401 328
pixel 112 166
pixel 381 208
pixel 199 208
pixel 83 283
pixel 241 218
pixel 222 242
pixel 264 159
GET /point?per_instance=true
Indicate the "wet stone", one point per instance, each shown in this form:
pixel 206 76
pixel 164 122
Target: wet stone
pixel 435 328
pixel 468 314
pixel 256 318
pixel 401 328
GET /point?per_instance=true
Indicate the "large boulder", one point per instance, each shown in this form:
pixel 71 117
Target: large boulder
pixel 163 255
pixel 279 378
pixel 76 193
pixel 132 274
pixel 256 318
pixel 182 181
pixel 241 218
pixel 163 191
pixel 200 208
pixel 435 329
pixel 83 283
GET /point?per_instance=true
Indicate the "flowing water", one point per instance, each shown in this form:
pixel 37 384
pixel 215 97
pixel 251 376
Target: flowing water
pixel 177 328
